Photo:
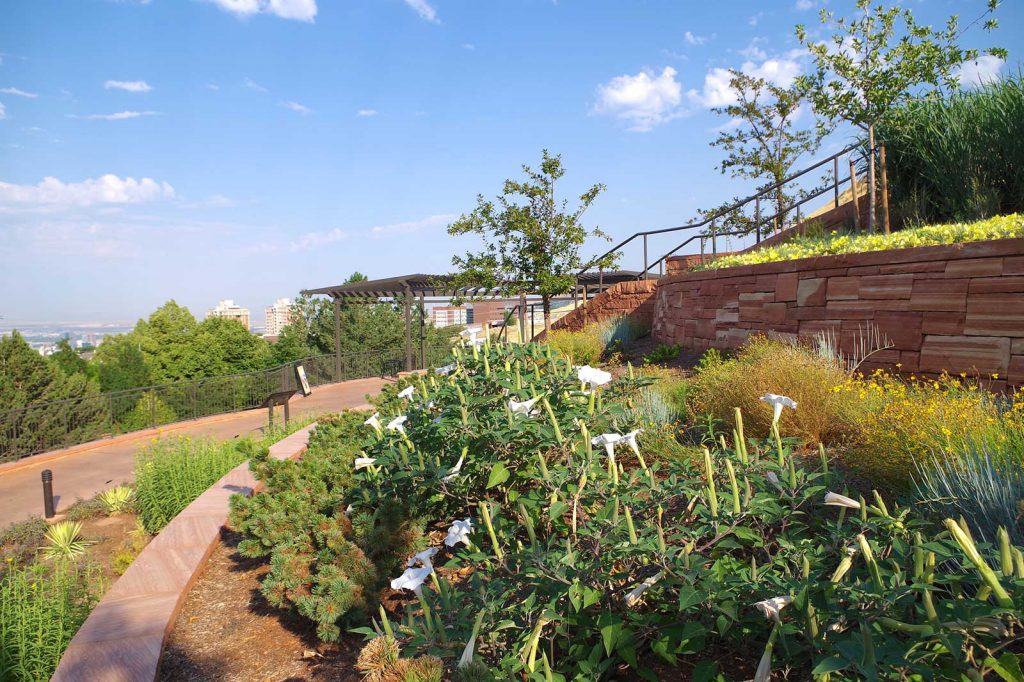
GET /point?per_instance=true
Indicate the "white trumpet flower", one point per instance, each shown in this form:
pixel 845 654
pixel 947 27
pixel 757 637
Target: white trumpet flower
pixel 446 370
pixel 459 532
pixel 609 441
pixel 630 440
pixel 778 402
pixel 593 376
pixel 363 462
pixel 373 421
pixel 423 558
pixel 771 607
pixel 407 391
pixel 472 333
pixel 454 471
pixel 397 424
pixel 412 579
pixel 773 478
pixel 633 596
pixel 837 500
pixel 524 408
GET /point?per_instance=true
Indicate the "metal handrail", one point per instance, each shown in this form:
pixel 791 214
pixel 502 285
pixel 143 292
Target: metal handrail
pixel 710 220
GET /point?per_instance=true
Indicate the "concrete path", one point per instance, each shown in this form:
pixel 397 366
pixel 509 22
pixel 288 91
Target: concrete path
pixel 85 470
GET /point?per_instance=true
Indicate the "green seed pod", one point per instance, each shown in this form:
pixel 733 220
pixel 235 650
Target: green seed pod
pixel 1018 564
pixel 881 504
pixel 712 492
pixel 384 622
pixel 741 441
pixel 926 596
pixel 629 366
pixel 753 569
pixel 987 574
pixel 735 488
pixel 805 565
pixel 842 569
pixel 918 556
pixel 485 512
pixel 662 547
pixel 1005 555
pixel 528 522
pixel 869 559
pixel 863 510
pixel 630 527
pixel 553 419
pixel 824 458
pixel 543 466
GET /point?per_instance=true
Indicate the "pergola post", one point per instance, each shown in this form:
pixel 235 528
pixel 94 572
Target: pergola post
pixel 522 317
pixel 337 338
pixel 423 331
pixel 408 327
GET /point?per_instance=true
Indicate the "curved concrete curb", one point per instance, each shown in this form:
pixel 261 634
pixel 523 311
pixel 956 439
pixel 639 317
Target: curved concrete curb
pixel 123 638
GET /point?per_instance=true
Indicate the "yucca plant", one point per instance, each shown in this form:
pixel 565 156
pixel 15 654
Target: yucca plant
pixel 64 541
pixel 117 500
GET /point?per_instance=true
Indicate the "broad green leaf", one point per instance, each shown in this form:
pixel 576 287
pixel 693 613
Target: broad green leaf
pixel 499 474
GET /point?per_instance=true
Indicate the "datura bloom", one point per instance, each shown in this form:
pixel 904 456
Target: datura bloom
pixel 373 421
pixel 472 333
pixel 773 478
pixel 524 408
pixel 593 376
pixel 363 462
pixel 837 500
pixel 609 441
pixel 446 370
pixel 454 471
pixel 397 424
pixel 771 607
pixel 778 402
pixel 423 558
pixel 412 579
pixel 630 440
pixel 407 392
pixel 459 532
pixel 633 596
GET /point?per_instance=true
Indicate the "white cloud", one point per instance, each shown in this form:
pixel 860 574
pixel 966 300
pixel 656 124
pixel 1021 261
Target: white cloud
pixel 424 9
pixel 253 85
pixel 295 106
pixel 984 69
pixel 644 100
pixel 314 239
pixel 299 10
pixel 804 5
pixel 781 71
pixel 468 46
pixel 128 86
pixel 117 116
pixel 755 19
pixel 212 86
pixel 18 92
pixel 3 111
pixel 692 39
pixel 433 221
pixel 366 112
pixel 107 189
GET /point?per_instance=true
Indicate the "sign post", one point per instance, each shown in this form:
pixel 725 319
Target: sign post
pixel 275 399
pixel 301 381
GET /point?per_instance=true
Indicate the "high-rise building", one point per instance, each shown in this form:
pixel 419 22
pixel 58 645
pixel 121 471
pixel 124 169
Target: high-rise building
pixel 229 311
pixel 278 316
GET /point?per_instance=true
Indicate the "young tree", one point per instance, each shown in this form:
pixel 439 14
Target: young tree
pixel 68 359
pixel 531 240
pixel 764 143
pixel 120 363
pixel 879 60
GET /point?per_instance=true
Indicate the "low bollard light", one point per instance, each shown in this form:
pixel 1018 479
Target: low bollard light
pixel 48 494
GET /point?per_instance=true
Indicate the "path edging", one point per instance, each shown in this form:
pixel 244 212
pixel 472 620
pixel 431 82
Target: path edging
pixel 123 637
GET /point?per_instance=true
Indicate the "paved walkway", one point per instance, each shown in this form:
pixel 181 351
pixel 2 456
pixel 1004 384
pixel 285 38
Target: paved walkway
pixel 85 470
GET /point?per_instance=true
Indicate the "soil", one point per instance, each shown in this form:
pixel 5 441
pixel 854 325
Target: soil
pixel 227 631
pixel 635 352
pixel 110 535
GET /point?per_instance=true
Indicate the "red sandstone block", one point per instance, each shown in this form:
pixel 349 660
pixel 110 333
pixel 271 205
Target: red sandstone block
pixel 1015 373
pixel 939 294
pixel 823 272
pixel 995 314
pixel 815 327
pixel 1017 346
pixel 862 310
pixel 906 268
pixel 1013 265
pixel 943 323
pixel 843 288
pixel 863 270
pixel 886 286
pixel 811 291
pixel 910 361
pixel 975 267
pixel 785 286
pixel 903 329
pixel 997 285
pixel 955 354
pixel 774 313
pixel 807 313
pixel 723 316
pixel 756 297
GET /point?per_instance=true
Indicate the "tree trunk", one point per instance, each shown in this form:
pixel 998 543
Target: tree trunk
pixel 871 178
pixel 547 313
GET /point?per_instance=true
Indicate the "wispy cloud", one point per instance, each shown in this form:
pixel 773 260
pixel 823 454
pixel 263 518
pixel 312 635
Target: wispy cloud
pixel 117 116
pixel 424 9
pixel 212 86
pixel 365 113
pixel 19 92
pixel 299 10
pixel 128 86
pixel 253 85
pixel 106 189
pixel 295 106
pixel 468 46
pixel 380 231
pixel 3 111
pixel 693 39
pixel 644 100
pixel 314 239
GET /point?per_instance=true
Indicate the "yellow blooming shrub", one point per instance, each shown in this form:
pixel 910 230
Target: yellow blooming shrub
pixel 1000 227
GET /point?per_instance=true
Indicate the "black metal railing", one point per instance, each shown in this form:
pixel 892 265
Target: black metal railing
pixel 53 425
pixel 707 231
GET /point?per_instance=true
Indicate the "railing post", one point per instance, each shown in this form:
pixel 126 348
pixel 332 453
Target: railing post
pixel 714 240
pixel 835 178
pixel 854 200
pixel 152 408
pixel 702 250
pixel 757 217
pixel 645 255
pixel 803 230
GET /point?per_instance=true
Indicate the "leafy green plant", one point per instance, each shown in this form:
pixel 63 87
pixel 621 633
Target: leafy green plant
pixel 20 541
pixel 710 359
pixel 64 541
pixel 620 331
pixel 82 510
pixel 117 500
pixel 41 608
pixel 584 347
pixel 663 354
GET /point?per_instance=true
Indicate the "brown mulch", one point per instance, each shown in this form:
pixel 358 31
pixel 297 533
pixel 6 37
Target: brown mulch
pixel 227 631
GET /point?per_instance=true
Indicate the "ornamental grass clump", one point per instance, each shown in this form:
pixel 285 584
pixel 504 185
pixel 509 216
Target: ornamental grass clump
pixel 573 551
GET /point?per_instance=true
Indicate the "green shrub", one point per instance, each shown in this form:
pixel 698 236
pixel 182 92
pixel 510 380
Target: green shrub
pixel 150 411
pixel 20 541
pixel 710 359
pixel 117 500
pixel 41 608
pixel 86 509
pixel 64 541
pixel 663 354
pixel 1002 227
pixel 583 347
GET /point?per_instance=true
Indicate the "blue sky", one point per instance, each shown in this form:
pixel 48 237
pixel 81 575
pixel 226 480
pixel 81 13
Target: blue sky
pixel 246 149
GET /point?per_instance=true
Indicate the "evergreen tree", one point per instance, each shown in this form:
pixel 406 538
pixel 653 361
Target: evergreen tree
pixel 68 360
pixel 120 363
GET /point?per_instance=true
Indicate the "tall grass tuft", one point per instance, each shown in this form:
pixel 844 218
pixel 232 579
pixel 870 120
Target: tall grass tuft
pixel 621 331
pixel 172 472
pixel 41 608
pixel 980 484
pixel 958 158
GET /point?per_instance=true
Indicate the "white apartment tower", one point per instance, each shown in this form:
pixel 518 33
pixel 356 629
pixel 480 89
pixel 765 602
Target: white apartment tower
pixel 278 316
pixel 228 310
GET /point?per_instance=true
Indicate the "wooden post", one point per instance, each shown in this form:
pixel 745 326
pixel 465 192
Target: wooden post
pixel 408 328
pixel 423 331
pixel 522 317
pixel 855 200
pixel 885 189
pixel 872 226
pixel 337 339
